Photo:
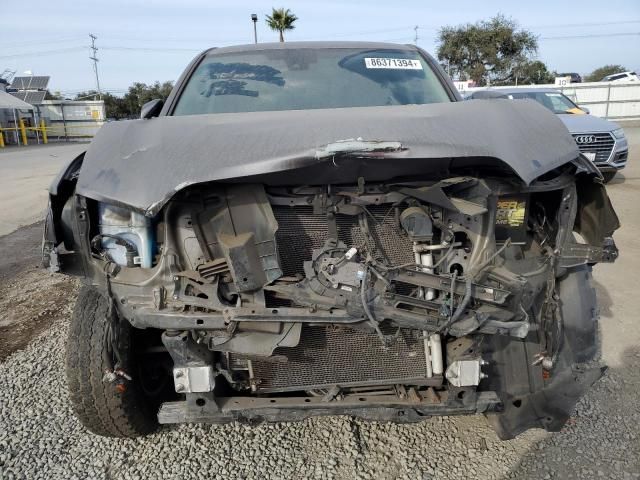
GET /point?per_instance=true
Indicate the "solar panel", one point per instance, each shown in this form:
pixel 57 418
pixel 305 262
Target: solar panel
pixel 30 83
pixel 34 98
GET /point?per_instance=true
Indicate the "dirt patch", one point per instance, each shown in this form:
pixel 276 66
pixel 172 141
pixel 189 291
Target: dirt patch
pixel 20 251
pixel 31 299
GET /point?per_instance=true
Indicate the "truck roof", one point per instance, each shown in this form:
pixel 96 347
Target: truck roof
pixel 310 45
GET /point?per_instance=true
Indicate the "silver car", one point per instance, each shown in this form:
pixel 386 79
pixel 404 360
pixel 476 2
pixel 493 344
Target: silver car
pixel 601 141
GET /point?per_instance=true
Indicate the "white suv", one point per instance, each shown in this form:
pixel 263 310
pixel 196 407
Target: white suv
pixel 621 77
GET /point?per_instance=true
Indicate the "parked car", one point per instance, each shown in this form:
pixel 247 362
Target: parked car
pixel 326 229
pixel 575 77
pixel 601 141
pixel 621 77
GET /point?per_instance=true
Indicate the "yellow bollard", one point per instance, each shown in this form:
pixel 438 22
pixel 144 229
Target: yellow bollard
pixel 1 139
pixel 43 128
pixel 23 132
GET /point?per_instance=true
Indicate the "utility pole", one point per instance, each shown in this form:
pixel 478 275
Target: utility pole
pixel 254 19
pixel 95 62
pixel 415 38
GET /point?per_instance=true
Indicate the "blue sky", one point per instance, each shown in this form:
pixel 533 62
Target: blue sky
pixel 155 39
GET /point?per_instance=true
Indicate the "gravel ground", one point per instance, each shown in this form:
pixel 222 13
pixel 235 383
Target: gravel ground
pixel 40 438
pixel 30 301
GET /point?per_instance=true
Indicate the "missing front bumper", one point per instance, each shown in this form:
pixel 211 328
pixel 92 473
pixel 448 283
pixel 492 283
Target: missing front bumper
pixel 206 409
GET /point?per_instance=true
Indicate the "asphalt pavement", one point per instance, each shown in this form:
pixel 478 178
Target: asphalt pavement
pixel 25 175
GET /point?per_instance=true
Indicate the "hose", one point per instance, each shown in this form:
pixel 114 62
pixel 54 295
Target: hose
pixel 445 256
pixel 463 303
pixel 473 273
pixel 483 265
pixel 365 306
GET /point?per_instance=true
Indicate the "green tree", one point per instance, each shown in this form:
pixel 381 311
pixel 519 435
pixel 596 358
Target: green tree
pixel 280 20
pixel 88 95
pixel 141 93
pixel 129 105
pixel 599 73
pixel 487 51
pixel 114 106
pixel 531 73
pixel 52 95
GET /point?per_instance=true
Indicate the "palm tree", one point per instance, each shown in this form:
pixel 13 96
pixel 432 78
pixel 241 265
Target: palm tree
pixel 281 20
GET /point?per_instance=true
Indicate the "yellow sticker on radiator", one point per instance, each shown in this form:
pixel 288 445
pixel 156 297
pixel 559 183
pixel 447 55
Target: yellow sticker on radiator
pixel 510 212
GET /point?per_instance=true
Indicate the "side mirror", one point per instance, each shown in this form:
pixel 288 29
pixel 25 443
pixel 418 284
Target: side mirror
pixel 585 110
pixel 151 109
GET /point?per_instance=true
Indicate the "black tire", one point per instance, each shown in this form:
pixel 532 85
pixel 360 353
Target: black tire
pixel 608 176
pixel 97 404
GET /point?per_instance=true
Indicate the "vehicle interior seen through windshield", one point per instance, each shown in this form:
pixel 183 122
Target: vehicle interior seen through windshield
pixel 556 102
pixel 302 79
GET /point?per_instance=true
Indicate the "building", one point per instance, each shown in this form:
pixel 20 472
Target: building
pixel 72 119
pixel 64 119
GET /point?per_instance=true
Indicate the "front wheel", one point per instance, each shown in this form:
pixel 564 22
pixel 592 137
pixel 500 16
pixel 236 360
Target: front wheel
pixel 112 409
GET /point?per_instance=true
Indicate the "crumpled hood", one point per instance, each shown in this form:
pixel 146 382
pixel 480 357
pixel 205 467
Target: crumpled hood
pixel 587 123
pixel 143 163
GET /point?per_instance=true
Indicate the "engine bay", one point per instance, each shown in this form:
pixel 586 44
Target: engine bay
pixel 416 293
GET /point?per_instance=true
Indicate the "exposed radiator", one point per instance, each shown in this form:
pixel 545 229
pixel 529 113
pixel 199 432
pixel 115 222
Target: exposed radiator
pixel 329 355
pixel 300 232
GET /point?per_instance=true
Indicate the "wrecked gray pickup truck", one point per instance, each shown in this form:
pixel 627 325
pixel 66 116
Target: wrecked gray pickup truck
pixel 324 229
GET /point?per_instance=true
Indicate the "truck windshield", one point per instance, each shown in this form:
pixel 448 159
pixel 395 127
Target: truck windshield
pixel 301 79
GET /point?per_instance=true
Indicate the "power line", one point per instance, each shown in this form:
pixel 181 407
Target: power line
pixel 152 49
pixel 42 41
pixel 354 34
pixel 94 57
pixel 436 27
pixel 405 39
pixel 369 32
pixel 591 35
pixel 172 40
pixel 195 50
pixel 585 24
pixel 44 52
pixel 209 41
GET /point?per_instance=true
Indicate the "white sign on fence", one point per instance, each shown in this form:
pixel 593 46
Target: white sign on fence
pixel 562 81
pixel 463 85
